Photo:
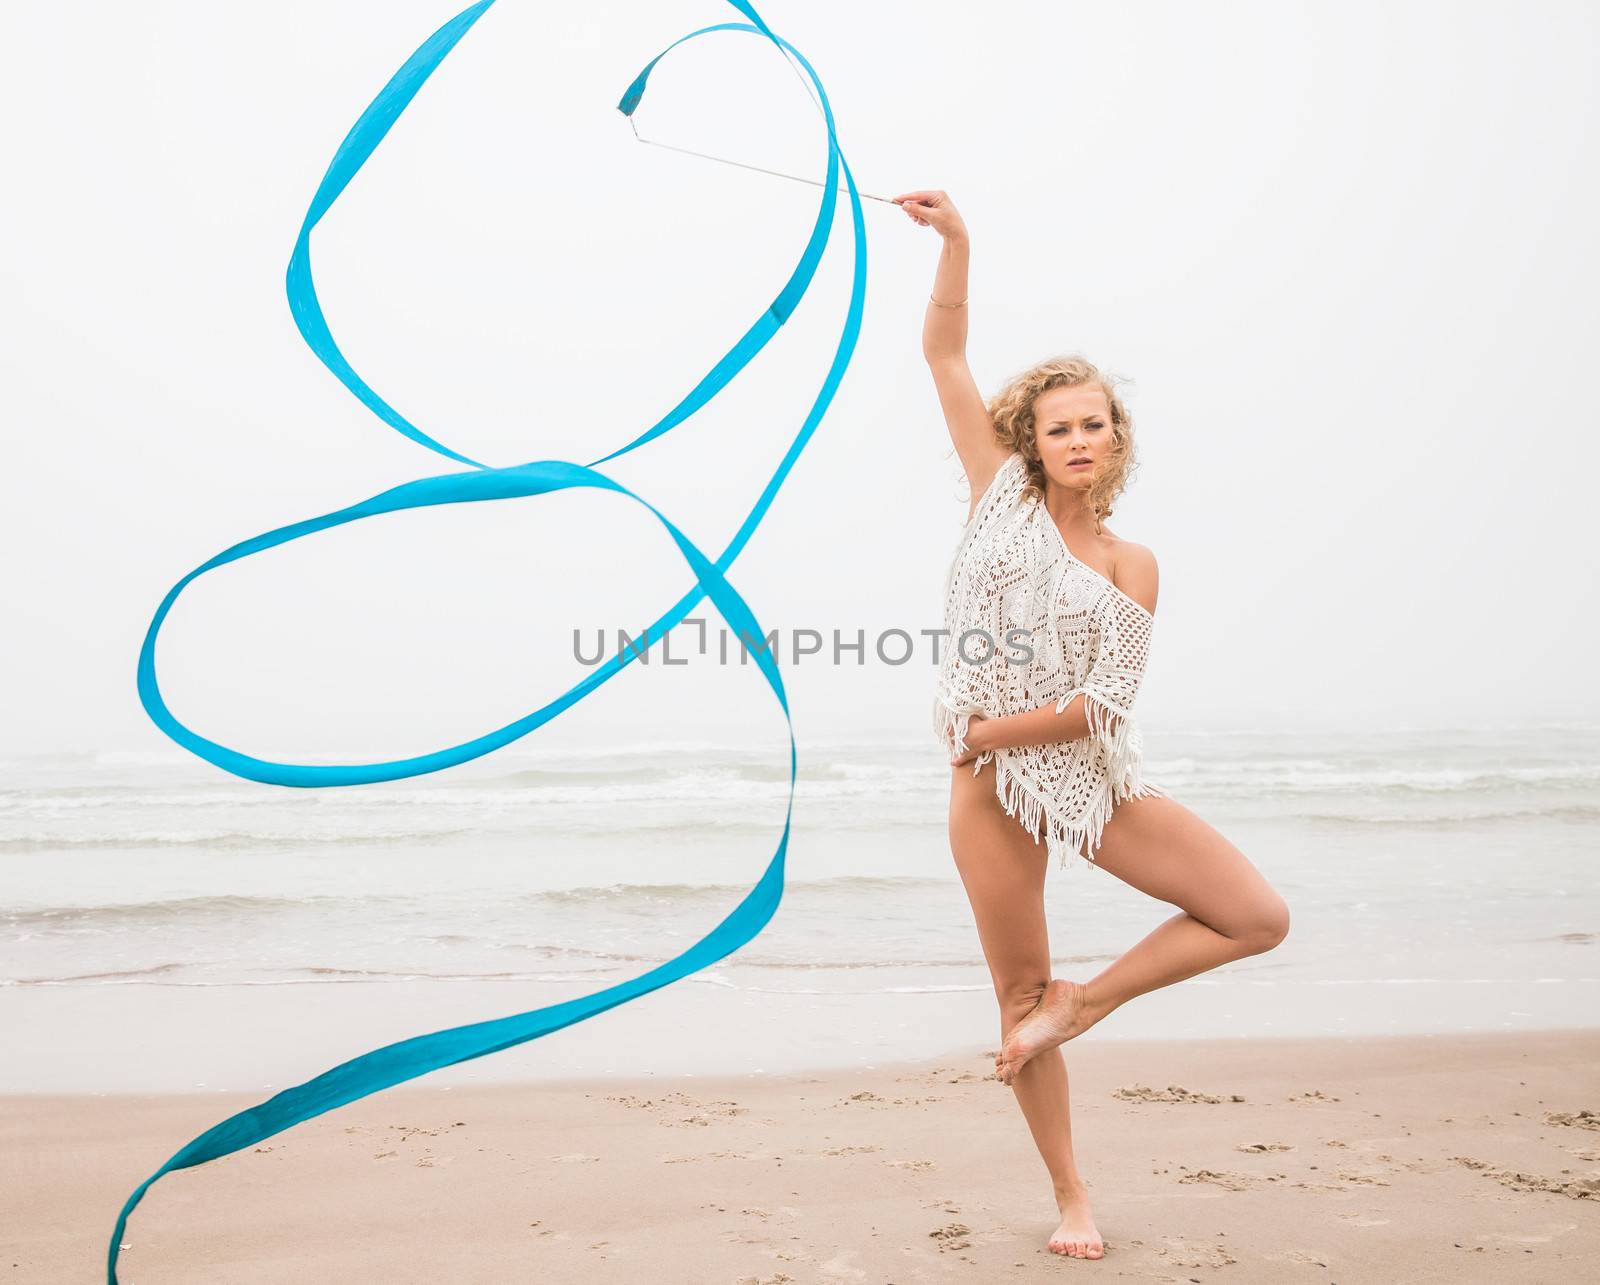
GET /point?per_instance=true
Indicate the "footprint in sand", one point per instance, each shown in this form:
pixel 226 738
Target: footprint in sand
pixel 704 1116
pixel 1362 1179
pixel 1187 1254
pixel 952 1236
pixel 701 1113
pixel 1574 1119
pixel 1172 1093
pixel 1313 1095
pixel 1573 1188
pixel 408 1131
pixel 910 1164
pixel 1221 1178
pixel 1256 1148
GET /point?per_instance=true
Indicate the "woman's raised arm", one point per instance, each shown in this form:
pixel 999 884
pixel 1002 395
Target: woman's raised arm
pixel 944 341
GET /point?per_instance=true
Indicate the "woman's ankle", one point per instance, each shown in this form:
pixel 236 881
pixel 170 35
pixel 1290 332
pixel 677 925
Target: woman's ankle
pixel 1096 1003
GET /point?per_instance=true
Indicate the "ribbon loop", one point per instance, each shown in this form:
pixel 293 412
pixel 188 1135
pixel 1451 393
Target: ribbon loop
pixel 395 1063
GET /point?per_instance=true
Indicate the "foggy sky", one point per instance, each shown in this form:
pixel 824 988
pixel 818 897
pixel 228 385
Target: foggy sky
pixel 1338 252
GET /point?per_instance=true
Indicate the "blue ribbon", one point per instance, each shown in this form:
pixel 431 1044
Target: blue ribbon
pixel 413 1057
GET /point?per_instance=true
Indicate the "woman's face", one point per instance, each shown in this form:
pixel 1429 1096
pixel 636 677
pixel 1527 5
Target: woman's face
pixel 1072 425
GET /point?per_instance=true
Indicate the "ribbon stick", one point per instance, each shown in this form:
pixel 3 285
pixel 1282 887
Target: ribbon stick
pixel 760 169
pixel 410 1058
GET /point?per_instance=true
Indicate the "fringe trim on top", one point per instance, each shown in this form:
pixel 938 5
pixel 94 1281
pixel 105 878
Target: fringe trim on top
pixel 950 725
pixel 1117 734
pixel 1115 731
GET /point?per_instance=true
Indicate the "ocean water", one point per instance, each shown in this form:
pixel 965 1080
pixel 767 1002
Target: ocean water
pixel 1437 880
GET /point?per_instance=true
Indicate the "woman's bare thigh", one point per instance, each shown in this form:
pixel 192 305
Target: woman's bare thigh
pixel 1160 847
pixel 1003 870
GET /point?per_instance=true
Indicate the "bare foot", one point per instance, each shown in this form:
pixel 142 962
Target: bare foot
pixel 1061 1013
pixel 1077 1236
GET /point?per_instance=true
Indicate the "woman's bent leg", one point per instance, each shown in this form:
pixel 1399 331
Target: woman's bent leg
pixel 1228 911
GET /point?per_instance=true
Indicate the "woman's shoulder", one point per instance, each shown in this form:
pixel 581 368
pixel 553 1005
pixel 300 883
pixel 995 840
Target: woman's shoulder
pixel 1134 570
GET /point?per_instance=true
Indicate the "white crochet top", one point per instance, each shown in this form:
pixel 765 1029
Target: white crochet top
pixel 1071 633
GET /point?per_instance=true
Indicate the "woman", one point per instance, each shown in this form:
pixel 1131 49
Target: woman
pixel 1049 615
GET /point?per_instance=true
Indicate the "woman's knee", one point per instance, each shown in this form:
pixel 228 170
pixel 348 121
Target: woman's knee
pixel 1268 926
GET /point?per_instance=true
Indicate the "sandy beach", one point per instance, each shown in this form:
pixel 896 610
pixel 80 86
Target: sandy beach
pixel 1416 1158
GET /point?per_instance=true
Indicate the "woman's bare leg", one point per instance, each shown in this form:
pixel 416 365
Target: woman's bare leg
pixel 1228 911
pixel 1003 871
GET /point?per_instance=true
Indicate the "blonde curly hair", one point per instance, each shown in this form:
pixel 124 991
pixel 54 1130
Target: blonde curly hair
pixel 1011 410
